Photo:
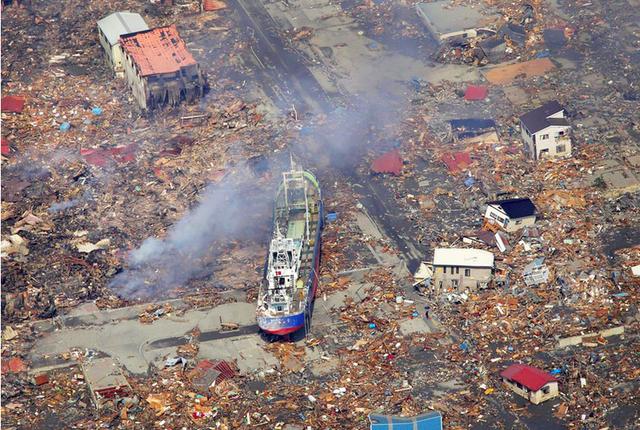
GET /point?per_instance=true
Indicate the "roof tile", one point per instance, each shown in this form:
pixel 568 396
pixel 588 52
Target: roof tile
pixel 158 51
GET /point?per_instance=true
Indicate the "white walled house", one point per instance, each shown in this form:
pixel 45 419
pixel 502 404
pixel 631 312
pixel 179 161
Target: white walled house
pixel 545 131
pixel 512 214
pixel 110 28
pixel 460 269
pixel 530 382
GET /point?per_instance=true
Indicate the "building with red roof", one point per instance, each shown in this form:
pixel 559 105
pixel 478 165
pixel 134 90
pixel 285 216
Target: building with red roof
pixel 160 69
pixel 530 382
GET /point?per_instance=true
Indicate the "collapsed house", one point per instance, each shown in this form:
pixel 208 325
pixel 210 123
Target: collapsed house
pixel 461 269
pixel 545 131
pixel 106 381
pixel 530 382
pixel 160 69
pixel 110 28
pixel 470 131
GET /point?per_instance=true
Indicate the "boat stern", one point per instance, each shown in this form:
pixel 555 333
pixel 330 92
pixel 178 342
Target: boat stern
pixel 281 325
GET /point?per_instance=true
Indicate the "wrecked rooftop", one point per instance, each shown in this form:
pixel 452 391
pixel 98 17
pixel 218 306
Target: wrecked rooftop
pixel 134 242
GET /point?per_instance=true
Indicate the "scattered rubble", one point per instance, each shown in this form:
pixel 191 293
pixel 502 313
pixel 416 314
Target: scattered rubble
pixel 89 178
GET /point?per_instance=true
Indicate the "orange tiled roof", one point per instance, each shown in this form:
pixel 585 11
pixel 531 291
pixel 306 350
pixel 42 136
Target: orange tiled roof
pixel 157 51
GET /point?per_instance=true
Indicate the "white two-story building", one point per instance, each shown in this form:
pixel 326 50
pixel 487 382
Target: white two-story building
pixel 110 28
pixel 545 131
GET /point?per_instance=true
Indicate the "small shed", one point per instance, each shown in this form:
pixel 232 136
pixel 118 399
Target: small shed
pixel 110 28
pixel 530 382
pixel 470 127
pixel 105 380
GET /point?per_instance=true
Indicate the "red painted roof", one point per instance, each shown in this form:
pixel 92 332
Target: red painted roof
pixel 388 163
pixel 456 161
pixel 6 150
pixel 12 104
pixel 13 365
pixel 529 376
pixel 475 92
pixel 157 51
pixel 102 157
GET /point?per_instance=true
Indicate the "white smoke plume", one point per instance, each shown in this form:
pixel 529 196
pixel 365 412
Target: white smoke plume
pixel 234 209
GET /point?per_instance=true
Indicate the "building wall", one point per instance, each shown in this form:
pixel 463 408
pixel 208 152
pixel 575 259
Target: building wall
pixel 106 46
pixel 528 140
pixel 496 216
pixel 465 277
pixel 555 143
pixel 517 224
pixel 117 56
pixel 113 54
pixel 548 139
pixel 534 397
pixel 137 84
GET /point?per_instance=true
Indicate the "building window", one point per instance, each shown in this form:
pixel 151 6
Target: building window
pixel 457 270
pixel 545 389
pixel 496 217
pixel 518 222
pixel 561 148
pixel 561 133
pixel 467 272
pixel 454 283
pixel 544 137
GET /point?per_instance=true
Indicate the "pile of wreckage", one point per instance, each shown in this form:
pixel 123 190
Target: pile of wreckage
pixel 475 35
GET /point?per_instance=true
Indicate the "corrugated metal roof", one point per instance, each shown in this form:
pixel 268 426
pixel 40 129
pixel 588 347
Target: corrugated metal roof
pixel 115 25
pixel 428 421
pixel 158 51
pixel 463 257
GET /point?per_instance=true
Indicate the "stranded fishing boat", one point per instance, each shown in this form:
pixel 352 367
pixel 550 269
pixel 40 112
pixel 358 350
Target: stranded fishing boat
pixel 291 270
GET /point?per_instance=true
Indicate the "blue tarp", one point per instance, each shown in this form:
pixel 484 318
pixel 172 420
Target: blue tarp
pixel 430 421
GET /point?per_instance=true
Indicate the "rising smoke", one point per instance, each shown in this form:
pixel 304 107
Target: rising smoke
pixel 234 209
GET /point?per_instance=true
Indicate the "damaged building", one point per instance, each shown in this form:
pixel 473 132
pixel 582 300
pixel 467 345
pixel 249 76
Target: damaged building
pixel 159 68
pixel 511 214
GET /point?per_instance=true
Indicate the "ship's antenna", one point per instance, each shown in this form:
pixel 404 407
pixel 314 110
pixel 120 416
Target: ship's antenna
pixel 292 163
